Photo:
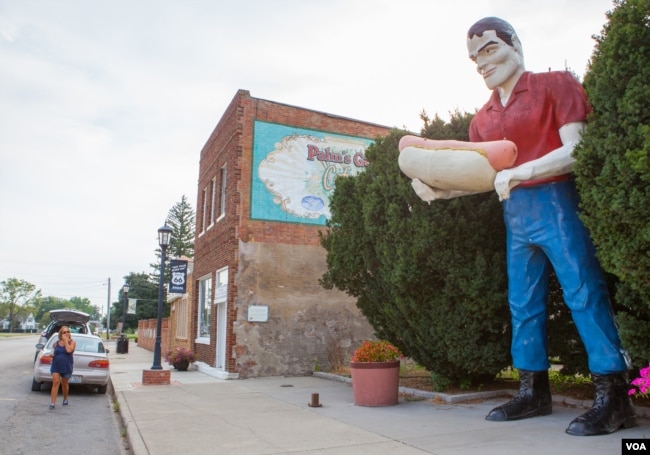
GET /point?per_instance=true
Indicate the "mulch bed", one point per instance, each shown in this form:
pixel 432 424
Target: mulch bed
pixel 421 380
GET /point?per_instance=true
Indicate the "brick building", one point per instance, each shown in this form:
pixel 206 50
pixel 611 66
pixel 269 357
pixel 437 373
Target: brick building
pixel 265 176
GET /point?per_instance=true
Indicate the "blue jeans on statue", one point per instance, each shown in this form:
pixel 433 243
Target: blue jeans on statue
pixel 543 230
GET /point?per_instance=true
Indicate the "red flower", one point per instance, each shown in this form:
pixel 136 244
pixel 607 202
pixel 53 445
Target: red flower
pixel 376 351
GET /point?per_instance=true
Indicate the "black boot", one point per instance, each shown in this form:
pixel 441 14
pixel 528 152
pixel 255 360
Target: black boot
pixel 533 399
pixel 612 408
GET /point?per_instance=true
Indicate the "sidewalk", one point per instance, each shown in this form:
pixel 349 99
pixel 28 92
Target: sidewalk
pixel 197 413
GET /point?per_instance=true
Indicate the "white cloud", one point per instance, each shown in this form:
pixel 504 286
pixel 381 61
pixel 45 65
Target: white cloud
pixel 107 104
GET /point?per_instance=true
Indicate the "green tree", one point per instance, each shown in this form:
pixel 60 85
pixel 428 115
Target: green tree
pixel 181 220
pixel 429 277
pixel 84 304
pixel 43 305
pixel 16 295
pixel 145 292
pixel 457 126
pixel 613 165
pixel 46 304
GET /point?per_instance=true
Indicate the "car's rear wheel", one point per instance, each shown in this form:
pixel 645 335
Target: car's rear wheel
pixel 102 389
pixel 36 386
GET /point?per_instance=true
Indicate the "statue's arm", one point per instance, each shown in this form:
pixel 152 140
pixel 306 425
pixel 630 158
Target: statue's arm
pixel 428 194
pixel 557 162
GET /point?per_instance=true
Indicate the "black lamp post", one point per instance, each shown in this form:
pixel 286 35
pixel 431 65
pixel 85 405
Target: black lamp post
pixel 164 236
pixel 123 342
pixel 125 291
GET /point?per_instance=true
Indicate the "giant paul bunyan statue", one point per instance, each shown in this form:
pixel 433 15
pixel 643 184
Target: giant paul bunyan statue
pixel 521 144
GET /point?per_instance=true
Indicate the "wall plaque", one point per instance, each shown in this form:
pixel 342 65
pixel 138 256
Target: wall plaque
pixel 258 313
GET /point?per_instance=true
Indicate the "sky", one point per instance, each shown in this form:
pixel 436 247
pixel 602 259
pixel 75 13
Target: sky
pixel 106 104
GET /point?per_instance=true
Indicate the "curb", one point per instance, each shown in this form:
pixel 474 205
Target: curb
pixel 136 444
pixel 641 412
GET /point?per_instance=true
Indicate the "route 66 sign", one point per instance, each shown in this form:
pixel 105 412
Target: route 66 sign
pixel 178 276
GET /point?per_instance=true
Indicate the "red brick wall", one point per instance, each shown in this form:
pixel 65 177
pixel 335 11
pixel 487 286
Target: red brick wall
pixel 147 335
pixel 216 247
pixel 230 145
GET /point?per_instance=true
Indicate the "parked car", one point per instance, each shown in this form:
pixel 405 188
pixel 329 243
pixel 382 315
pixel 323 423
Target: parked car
pixel 78 322
pixel 91 363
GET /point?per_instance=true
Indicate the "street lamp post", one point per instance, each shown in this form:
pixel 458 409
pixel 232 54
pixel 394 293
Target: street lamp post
pixel 108 311
pixel 125 291
pixel 123 343
pixel 164 236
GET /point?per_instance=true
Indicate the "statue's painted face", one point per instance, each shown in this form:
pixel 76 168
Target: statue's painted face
pixel 496 61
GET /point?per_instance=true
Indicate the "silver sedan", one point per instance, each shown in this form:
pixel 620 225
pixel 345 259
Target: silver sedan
pixel 91 364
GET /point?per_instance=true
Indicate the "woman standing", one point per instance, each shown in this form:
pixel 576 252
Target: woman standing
pixel 62 361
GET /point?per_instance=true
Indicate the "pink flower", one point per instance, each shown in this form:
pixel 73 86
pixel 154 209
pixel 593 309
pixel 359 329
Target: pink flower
pixel 179 354
pixel 642 382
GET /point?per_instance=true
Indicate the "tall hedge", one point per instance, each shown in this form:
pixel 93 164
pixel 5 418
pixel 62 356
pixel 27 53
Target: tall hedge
pixel 429 277
pixel 613 167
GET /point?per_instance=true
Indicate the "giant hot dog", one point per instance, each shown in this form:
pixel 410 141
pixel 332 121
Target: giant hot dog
pixel 455 165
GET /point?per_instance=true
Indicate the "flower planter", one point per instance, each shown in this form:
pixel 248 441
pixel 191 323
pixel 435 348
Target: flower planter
pixel 375 383
pixel 180 357
pixel 182 365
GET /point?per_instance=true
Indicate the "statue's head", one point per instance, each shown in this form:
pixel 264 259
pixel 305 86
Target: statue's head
pixel 493 45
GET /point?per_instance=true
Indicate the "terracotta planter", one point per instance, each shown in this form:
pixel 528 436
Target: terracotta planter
pixel 375 383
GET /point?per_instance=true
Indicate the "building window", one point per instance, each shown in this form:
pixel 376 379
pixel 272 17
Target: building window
pixel 222 193
pixel 213 199
pixel 221 315
pixel 204 209
pixel 181 319
pixel 221 288
pixel 205 306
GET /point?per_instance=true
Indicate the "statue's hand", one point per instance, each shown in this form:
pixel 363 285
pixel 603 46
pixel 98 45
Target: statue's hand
pixel 507 179
pixel 502 184
pixel 428 194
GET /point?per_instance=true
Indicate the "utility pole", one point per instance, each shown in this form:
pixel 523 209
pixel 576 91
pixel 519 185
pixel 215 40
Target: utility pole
pixel 108 313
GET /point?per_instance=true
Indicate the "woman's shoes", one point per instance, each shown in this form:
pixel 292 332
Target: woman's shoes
pixel 65 403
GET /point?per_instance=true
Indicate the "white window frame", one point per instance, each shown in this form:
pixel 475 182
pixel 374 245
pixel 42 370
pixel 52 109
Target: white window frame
pixel 221 310
pixel 204 209
pixel 222 193
pixel 205 300
pixel 213 201
pixel 221 286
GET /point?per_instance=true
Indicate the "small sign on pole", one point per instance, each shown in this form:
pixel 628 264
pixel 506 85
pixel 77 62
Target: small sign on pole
pixel 178 276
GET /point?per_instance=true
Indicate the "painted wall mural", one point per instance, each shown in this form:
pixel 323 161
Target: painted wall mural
pixel 294 171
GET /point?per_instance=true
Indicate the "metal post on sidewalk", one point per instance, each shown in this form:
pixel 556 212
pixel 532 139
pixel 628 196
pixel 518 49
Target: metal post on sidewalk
pixel 164 236
pixel 123 342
